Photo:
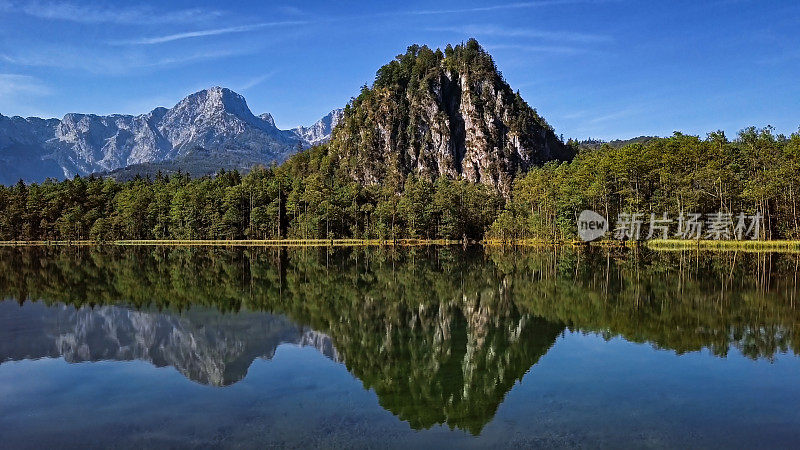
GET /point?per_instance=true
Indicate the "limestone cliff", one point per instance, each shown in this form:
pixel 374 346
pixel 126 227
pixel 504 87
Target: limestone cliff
pixel 450 113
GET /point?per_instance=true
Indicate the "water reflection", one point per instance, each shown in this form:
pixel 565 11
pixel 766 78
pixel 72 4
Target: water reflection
pixel 203 345
pixel 440 335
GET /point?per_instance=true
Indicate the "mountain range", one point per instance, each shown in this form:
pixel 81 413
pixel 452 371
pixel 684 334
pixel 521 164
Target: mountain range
pixel 206 131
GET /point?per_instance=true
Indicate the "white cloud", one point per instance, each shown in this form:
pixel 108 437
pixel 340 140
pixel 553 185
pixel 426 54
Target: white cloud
pixel 18 94
pixel 113 63
pixel 88 13
pixel 516 5
pixel 202 33
pixel 14 84
pixel 290 10
pixel 615 115
pixel 191 58
pixel 552 49
pixel 492 30
pixel 574 115
pixel 254 81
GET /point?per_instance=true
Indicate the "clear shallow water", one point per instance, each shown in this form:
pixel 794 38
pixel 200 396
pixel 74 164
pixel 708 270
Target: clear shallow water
pixel 437 348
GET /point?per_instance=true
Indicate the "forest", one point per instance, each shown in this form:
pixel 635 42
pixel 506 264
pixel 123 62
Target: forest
pixel 311 197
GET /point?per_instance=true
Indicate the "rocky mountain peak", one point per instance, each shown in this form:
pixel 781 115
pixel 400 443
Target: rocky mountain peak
pixel 206 131
pixel 215 103
pixel 443 113
pixel 321 131
pixel 267 117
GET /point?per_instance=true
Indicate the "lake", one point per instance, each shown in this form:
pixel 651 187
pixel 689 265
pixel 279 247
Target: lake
pixel 404 347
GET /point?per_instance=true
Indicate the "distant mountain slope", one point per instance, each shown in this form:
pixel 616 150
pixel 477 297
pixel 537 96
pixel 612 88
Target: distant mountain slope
pixel 215 123
pixel 451 113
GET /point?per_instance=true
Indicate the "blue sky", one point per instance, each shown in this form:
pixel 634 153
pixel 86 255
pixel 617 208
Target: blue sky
pixel 603 69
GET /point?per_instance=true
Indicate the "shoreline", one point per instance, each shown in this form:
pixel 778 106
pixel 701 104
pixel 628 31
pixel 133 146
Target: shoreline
pixel 657 245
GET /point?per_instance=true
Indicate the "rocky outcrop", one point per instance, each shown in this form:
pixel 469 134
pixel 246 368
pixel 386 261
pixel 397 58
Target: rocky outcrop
pixel 443 114
pixel 215 122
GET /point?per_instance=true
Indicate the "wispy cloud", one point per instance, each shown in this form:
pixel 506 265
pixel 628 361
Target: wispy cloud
pixel 253 82
pixel 196 57
pixel 507 6
pixel 290 10
pixel 493 30
pixel 615 115
pixel 574 115
pixel 14 85
pixel 554 49
pixel 114 63
pixel 22 94
pixel 478 9
pixel 89 13
pixel 209 32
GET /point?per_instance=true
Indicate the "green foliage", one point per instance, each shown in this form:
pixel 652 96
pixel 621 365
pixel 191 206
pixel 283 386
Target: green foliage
pixel 756 173
pixel 310 196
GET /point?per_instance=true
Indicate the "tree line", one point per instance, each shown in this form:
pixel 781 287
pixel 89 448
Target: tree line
pixel 304 198
pixel 757 173
pixel 311 196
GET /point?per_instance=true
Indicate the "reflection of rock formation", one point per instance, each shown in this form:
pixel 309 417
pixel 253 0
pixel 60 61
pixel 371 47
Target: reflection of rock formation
pixel 461 380
pixel 450 362
pixel 206 346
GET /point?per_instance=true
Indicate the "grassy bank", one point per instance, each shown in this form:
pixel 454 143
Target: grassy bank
pixel 746 246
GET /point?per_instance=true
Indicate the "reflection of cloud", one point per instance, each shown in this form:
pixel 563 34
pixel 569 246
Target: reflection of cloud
pixel 202 33
pixel 492 30
pixel 86 13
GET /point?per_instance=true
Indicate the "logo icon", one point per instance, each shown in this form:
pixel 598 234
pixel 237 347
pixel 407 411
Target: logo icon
pixel 591 225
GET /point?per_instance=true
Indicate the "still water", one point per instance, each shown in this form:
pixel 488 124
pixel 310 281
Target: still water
pixel 439 347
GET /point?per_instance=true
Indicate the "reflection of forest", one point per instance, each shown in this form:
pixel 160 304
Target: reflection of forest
pixel 682 301
pixel 441 335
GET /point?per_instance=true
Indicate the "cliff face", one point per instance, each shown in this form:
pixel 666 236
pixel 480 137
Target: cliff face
pixel 443 114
